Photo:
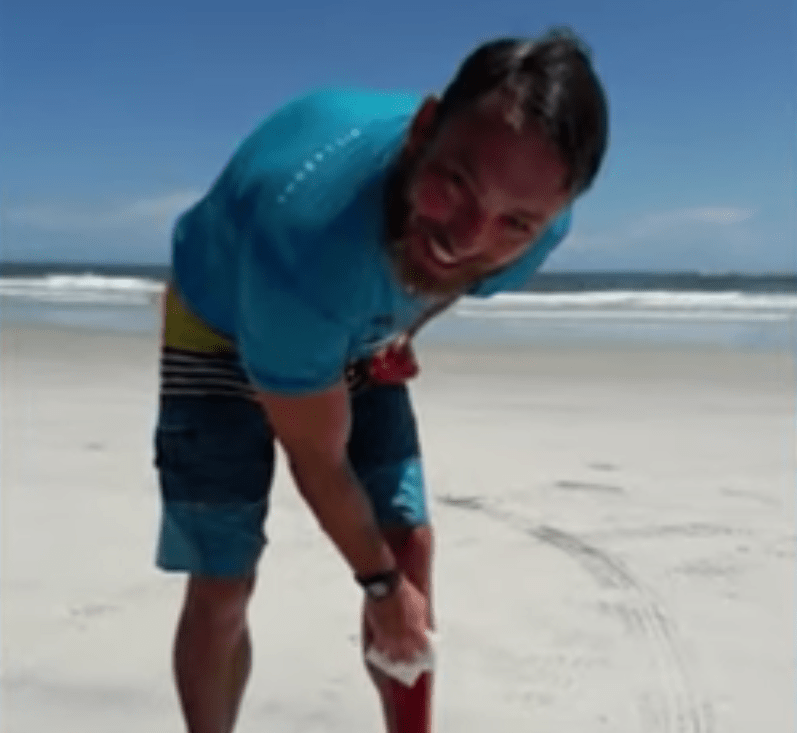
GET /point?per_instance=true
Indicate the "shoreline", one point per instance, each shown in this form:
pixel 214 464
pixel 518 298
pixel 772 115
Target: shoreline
pixel 452 332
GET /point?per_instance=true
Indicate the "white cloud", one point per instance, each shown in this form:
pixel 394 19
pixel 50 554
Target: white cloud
pixel 720 215
pixel 663 223
pixel 156 214
pixel 707 238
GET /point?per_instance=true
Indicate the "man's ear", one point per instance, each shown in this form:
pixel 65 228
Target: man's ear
pixel 422 127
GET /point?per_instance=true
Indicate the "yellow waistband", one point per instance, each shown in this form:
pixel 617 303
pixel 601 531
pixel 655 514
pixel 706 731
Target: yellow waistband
pixel 184 330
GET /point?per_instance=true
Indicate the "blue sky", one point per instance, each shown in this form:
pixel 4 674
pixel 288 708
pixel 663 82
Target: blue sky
pixel 116 116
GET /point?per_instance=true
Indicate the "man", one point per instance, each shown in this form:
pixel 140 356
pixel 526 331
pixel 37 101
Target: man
pixel 339 226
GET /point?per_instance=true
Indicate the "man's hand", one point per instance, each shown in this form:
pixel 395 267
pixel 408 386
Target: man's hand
pixel 398 623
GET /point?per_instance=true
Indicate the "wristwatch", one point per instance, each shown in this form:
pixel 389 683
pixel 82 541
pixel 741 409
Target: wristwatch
pixel 379 585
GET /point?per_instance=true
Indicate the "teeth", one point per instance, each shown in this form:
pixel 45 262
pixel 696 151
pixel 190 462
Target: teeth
pixel 441 253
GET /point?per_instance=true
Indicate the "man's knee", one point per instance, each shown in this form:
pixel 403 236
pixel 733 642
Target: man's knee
pixel 218 602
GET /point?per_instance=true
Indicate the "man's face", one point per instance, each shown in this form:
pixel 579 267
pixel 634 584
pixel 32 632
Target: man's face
pixel 477 195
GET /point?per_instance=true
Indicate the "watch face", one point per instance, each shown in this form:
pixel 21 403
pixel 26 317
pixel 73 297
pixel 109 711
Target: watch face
pixel 380 585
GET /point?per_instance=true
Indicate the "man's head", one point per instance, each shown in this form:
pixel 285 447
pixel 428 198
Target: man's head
pixel 517 135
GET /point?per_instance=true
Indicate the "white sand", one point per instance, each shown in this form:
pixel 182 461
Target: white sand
pixel 615 551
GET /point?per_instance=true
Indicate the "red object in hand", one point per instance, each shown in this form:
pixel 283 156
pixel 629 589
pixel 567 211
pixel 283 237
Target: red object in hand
pixel 412 709
pixel 393 365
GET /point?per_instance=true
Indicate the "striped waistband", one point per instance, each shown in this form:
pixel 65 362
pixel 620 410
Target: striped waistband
pixel 185 373
pixel 196 374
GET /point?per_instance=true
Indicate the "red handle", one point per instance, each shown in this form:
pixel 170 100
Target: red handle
pixel 394 365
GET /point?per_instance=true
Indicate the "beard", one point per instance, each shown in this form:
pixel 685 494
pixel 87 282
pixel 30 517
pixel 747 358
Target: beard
pixel 408 264
pixel 414 276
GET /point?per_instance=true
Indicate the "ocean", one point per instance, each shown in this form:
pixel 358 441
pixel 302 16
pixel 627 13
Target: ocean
pixel 735 310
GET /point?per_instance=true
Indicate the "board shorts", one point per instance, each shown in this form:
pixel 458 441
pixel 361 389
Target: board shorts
pixel 215 461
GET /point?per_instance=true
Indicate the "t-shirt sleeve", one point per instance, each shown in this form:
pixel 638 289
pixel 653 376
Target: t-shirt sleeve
pixel 287 344
pixel 518 275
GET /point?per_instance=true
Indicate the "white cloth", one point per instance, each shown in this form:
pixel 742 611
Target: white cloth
pixel 405 672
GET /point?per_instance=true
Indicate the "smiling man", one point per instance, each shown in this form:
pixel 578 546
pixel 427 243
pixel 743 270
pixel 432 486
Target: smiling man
pixel 344 222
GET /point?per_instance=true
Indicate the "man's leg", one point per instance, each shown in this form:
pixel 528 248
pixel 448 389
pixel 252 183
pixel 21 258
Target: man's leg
pixel 215 459
pixel 212 652
pixel 408 710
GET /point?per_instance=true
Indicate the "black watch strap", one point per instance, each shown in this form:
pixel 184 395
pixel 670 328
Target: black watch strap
pixel 379 585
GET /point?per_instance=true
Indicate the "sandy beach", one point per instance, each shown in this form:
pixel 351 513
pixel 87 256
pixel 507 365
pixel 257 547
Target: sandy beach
pixel 616 547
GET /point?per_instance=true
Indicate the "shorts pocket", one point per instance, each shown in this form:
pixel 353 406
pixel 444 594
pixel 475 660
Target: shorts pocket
pixel 213 454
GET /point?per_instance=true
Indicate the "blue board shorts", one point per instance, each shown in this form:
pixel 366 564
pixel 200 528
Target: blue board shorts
pixel 215 461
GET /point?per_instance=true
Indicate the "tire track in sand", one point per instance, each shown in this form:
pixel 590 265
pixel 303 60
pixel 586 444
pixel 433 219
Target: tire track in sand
pixel 674 705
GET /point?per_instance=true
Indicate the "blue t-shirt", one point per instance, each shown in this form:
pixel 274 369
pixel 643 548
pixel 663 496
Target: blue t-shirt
pixel 286 253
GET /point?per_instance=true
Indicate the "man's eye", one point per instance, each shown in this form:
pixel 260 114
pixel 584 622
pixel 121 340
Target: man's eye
pixel 520 225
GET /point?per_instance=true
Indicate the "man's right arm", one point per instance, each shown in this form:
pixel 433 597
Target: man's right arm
pixel 314 431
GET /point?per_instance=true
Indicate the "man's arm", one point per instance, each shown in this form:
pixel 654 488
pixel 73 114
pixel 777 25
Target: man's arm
pixel 314 431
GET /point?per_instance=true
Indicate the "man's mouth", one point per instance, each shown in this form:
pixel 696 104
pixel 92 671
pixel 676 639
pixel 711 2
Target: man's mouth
pixel 440 252
pixel 432 263
pixel 437 249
